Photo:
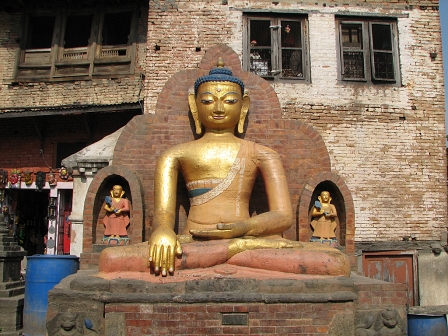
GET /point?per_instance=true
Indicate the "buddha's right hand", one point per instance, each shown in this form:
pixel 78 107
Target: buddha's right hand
pixel 163 248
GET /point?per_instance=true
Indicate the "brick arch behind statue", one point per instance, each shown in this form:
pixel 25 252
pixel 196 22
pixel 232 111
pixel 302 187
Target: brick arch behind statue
pixel 300 146
pixel 93 206
pixel 305 202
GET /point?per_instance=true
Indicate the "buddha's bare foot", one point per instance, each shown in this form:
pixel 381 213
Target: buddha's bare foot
pixel 239 245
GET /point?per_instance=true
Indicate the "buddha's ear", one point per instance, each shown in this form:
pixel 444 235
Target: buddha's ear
pixel 244 110
pixel 194 110
pixel 122 193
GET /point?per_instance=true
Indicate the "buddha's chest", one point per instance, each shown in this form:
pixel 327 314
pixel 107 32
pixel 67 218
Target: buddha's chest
pixel 208 162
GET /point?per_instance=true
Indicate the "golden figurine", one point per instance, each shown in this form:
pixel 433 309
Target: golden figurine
pixel 324 223
pixel 220 171
pixel 117 217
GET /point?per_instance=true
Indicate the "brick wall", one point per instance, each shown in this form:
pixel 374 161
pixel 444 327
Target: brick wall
pixel 101 91
pixel 387 142
pixel 20 143
pixel 206 318
pixel 311 318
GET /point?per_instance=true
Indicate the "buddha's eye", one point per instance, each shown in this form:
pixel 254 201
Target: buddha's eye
pixel 231 101
pixel 206 101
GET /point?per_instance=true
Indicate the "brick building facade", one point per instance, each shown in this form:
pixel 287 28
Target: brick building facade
pixel 63 88
pixel 385 139
pixel 380 129
pixel 366 77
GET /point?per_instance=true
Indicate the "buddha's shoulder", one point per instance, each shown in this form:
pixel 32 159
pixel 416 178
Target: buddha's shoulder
pixel 181 149
pixel 258 149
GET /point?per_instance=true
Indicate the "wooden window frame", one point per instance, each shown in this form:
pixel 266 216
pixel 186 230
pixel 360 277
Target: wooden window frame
pixel 368 50
pixel 276 47
pixel 85 63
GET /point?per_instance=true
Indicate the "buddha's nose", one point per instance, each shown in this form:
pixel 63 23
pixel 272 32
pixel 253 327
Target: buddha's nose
pixel 219 106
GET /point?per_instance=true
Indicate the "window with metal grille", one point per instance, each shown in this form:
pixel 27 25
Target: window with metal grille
pixel 77 44
pixel 368 50
pixel 275 47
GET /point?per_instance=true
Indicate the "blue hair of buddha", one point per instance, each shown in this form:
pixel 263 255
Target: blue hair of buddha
pixel 219 74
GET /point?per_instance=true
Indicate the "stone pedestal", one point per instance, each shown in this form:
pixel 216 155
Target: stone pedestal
pixel 12 288
pixel 224 299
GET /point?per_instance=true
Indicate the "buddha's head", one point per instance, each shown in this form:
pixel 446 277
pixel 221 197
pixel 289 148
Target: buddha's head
pixel 324 197
pixel 117 191
pixel 218 101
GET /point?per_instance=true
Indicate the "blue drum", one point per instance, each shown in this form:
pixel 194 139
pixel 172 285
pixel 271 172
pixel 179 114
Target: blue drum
pixel 422 325
pixel 43 272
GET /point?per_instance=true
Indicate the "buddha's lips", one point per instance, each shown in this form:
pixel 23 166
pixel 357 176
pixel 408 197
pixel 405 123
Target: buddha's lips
pixel 218 117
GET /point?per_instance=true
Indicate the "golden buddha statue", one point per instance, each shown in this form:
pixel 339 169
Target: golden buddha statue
pixel 220 171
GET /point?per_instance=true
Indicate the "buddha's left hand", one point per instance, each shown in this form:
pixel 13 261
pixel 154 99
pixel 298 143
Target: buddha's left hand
pixel 223 231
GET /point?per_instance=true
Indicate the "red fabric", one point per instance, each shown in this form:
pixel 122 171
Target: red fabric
pixel 116 223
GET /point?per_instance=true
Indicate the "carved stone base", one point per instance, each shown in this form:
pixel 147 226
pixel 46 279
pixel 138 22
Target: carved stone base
pixel 224 299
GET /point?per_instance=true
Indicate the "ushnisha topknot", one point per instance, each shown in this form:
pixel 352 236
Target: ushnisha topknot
pixel 219 74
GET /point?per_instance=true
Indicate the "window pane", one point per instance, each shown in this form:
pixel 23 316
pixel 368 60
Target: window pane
pixel 77 31
pixel 352 35
pixel 382 37
pixel 260 61
pixel 260 47
pixel 292 63
pixel 260 33
pixel 40 32
pixel 384 66
pixel 116 28
pixel 353 65
pixel 291 34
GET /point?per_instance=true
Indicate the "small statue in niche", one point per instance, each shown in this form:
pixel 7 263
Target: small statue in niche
pixel 385 323
pixel 117 218
pixel 324 220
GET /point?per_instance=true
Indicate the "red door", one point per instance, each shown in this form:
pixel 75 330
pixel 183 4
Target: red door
pixel 67 231
pixel 64 225
pixel 393 266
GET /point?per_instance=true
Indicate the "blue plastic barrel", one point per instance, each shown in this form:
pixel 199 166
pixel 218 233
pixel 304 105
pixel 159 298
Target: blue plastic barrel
pixel 422 325
pixel 43 272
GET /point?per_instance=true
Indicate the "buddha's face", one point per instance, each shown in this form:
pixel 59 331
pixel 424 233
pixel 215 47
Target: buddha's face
pixel 325 197
pixel 219 105
pixel 116 191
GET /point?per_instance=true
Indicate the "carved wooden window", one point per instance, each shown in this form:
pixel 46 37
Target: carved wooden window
pixel 368 51
pixel 77 45
pixel 275 47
